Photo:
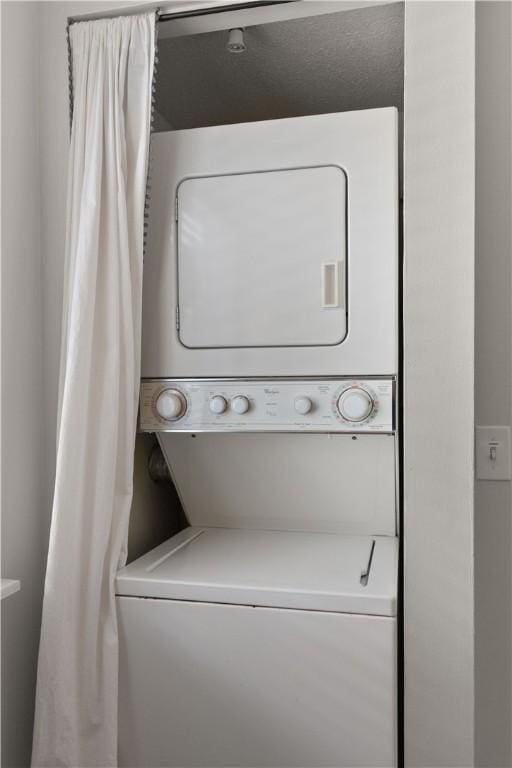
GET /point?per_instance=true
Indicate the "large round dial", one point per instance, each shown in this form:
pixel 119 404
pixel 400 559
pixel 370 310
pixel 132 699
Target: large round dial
pixel 355 404
pixel 240 404
pixel 218 404
pixel 171 404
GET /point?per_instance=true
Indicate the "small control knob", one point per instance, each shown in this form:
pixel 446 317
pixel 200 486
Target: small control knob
pixel 303 405
pixel 240 404
pixel 171 404
pixel 355 404
pixel 218 404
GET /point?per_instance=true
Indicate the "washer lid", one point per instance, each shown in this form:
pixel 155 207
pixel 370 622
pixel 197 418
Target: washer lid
pixel 281 569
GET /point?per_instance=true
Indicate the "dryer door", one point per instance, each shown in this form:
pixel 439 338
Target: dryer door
pixel 262 259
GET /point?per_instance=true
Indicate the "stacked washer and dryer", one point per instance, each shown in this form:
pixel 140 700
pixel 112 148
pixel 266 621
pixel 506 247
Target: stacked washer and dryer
pixel 265 633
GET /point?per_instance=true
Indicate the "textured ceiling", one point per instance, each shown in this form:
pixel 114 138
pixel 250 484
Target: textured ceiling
pixel 333 63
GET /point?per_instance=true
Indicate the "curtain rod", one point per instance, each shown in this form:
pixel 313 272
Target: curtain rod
pixel 113 14
pixel 168 16
pixel 164 14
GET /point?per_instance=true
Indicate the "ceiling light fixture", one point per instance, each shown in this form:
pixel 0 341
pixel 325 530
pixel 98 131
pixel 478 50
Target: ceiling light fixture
pixel 235 42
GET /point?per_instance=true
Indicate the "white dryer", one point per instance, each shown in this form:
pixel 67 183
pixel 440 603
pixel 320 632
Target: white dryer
pixel 273 249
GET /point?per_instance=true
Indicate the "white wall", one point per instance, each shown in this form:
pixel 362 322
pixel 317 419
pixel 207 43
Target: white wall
pixel 493 379
pixel 439 188
pixel 24 509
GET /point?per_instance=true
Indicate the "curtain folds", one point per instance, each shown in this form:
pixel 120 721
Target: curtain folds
pixel 76 701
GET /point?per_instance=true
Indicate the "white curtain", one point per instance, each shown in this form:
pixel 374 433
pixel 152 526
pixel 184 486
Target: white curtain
pixel 76 701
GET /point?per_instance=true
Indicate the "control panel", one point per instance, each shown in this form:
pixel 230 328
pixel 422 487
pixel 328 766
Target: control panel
pixel 270 405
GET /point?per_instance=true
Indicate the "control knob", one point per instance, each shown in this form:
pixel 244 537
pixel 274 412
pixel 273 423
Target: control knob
pixel 218 404
pixel 240 404
pixel 171 404
pixel 355 404
pixel 303 405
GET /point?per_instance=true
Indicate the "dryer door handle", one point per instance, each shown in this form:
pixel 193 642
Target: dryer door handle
pixel 333 284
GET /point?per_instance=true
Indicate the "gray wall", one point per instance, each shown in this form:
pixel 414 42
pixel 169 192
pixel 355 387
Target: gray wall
pixel 330 63
pixel 439 186
pixel 156 510
pixel 24 512
pixel 493 379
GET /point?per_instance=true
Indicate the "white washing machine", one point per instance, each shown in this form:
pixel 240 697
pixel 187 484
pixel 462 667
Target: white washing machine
pixel 259 648
pixel 265 634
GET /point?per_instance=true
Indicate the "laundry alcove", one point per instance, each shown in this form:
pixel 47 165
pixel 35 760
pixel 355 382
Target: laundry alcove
pixel 300 58
pixel 260 87
pixel 312 72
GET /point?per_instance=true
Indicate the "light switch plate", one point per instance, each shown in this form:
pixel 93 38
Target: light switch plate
pixel 493 453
